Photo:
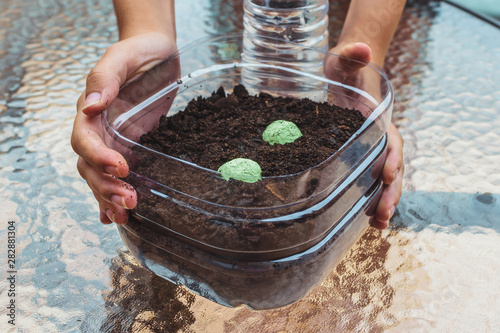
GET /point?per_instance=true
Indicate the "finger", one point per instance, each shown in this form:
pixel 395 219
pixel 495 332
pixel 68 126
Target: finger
pixel 380 225
pixel 354 56
pixel 394 162
pixel 102 210
pixel 104 218
pixel 387 203
pixel 87 143
pixel 355 51
pixel 122 62
pixel 111 213
pixel 105 79
pixel 107 188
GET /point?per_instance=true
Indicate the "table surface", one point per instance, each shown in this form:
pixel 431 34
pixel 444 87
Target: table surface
pixel 436 268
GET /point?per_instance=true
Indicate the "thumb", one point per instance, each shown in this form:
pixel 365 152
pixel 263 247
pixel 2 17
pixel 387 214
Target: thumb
pixel 355 56
pixel 103 82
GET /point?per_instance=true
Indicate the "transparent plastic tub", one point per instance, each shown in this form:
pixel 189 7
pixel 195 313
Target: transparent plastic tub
pixel 274 218
pixel 259 284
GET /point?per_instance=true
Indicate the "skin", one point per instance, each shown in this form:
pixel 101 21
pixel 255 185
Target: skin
pixel 367 32
pixel 147 36
pixel 393 169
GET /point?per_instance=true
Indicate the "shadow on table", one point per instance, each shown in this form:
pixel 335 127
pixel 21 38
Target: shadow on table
pixel 448 212
pixel 143 302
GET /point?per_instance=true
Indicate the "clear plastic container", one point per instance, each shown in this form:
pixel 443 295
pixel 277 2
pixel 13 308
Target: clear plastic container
pixel 191 214
pixel 259 284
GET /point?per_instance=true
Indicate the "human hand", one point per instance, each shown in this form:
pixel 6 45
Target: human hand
pixel 97 164
pixel 392 176
pixel 393 169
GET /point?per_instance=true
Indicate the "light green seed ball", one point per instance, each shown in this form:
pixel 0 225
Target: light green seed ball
pixel 281 132
pixel 242 169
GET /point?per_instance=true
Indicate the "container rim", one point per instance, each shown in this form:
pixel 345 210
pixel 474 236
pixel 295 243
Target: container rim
pixel 385 102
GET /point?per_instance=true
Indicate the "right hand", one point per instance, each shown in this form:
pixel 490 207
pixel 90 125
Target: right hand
pixel 393 168
pixel 97 164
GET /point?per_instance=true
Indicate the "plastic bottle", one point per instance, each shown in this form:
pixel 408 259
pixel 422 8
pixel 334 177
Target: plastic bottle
pixel 304 22
pixel 280 33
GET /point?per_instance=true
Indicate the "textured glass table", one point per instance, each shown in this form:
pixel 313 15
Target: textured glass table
pixel 435 269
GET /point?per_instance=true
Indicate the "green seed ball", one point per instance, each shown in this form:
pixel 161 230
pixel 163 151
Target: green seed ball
pixel 281 132
pixel 242 169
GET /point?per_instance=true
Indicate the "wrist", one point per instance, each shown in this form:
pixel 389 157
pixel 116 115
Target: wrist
pixel 148 31
pixel 373 23
pixel 141 17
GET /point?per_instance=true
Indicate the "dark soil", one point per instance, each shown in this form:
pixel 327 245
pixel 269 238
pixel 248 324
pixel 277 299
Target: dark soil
pixel 212 131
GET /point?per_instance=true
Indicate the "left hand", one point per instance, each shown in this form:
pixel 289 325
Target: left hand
pixel 99 165
pixel 393 169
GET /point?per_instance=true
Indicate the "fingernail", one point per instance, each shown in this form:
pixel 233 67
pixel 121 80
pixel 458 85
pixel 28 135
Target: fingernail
pixel 391 211
pixel 110 215
pixel 91 99
pixel 112 170
pixel 118 200
pixel 394 175
pixel 372 220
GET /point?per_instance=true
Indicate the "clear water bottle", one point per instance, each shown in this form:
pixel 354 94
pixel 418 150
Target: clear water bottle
pixel 284 33
pixel 304 22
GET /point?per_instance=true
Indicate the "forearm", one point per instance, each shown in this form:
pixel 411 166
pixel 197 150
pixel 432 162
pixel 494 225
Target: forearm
pixel 372 22
pixel 135 17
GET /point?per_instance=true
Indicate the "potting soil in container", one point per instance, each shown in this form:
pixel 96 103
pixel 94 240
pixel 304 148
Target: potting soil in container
pixel 216 129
